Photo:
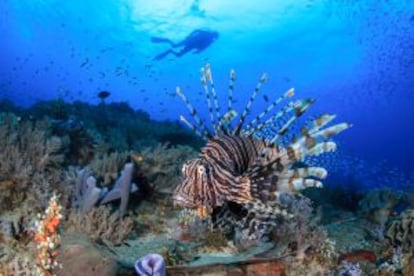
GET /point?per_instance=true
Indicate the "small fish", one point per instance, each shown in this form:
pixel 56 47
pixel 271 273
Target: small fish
pixel 104 94
pixel 266 98
pixel 85 62
pixel 137 157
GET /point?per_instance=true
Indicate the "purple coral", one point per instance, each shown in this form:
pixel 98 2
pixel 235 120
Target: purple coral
pixel 151 264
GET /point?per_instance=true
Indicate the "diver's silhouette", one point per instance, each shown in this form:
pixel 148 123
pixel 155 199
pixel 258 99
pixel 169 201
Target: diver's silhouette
pixel 197 42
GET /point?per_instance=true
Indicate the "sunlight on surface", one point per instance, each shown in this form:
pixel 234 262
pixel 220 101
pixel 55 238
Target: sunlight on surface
pixel 176 17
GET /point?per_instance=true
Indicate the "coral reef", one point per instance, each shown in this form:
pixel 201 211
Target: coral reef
pixel 106 167
pixel 47 238
pixel 378 205
pixel 29 161
pixel 91 155
pixel 103 225
pixel 349 269
pixel 19 265
pixel 122 188
pixel 400 232
pixel 161 165
pixel 88 194
pixel 115 126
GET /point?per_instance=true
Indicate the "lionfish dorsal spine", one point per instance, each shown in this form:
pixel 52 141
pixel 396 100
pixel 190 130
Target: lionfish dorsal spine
pixel 232 78
pixel 209 77
pixel 206 80
pixel 203 80
pixel 246 110
pixel 251 128
pixel 199 128
pixel 224 121
pixel 191 126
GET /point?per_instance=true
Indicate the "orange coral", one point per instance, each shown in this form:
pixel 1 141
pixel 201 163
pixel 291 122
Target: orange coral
pixel 47 237
pixel 358 255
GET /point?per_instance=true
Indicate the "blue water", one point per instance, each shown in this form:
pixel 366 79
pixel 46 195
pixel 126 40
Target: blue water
pixel 355 57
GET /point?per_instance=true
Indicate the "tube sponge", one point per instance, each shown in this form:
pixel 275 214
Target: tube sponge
pixel 151 264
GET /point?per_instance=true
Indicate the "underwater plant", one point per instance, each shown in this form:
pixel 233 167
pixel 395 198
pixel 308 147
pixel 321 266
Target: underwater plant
pixel 243 170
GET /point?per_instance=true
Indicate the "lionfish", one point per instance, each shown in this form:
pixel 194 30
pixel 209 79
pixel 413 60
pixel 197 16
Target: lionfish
pixel 244 168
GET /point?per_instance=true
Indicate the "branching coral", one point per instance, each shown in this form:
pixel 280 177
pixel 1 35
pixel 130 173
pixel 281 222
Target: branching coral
pixel 161 165
pixel 29 161
pixel 100 224
pixel 18 265
pixel 30 169
pixel 302 233
pixel 106 167
pixel 378 205
pixel 26 144
pixel 400 232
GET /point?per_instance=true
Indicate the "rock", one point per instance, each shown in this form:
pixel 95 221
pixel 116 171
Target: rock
pixel 266 268
pixel 79 257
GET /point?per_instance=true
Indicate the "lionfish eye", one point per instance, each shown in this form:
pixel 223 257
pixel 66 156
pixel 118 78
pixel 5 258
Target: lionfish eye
pixel 201 169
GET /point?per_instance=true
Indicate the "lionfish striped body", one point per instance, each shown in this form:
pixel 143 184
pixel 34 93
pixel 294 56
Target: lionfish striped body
pixel 246 166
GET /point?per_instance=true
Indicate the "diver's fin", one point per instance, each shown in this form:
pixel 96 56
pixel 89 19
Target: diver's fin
pixel 156 39
pixel 162 55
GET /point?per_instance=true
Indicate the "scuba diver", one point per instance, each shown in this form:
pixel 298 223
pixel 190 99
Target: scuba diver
pixel 197 41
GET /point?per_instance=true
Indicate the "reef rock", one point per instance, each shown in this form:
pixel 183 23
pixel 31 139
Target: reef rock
pixel 79 257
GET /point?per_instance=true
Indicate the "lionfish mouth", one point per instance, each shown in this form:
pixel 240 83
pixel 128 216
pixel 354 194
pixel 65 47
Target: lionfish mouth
pixel 180 201
pixel 202 210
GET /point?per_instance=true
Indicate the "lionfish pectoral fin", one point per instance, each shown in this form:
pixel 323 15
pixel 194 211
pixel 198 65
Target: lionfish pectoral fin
pixel 263 181
pixel 263 168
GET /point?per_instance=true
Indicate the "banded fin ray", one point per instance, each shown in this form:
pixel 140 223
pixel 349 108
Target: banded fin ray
pixel 246 110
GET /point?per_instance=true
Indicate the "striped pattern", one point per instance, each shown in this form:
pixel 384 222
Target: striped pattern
pixel 239 166
pixel 217 176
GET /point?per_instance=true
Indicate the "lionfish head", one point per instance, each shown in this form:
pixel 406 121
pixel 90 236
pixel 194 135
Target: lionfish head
pixel 194 191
